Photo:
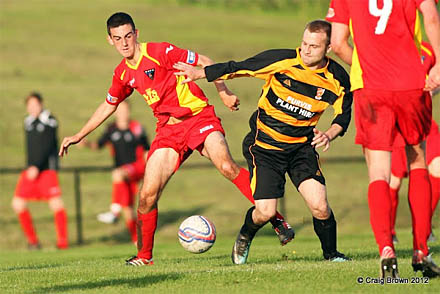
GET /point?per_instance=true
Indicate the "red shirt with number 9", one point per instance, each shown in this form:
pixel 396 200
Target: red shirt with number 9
pixel 387 39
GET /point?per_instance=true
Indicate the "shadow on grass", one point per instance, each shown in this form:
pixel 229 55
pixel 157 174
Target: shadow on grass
pixel 30 267
pixel 140 282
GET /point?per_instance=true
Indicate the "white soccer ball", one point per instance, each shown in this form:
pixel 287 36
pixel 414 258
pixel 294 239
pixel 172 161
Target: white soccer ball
pixel 197 234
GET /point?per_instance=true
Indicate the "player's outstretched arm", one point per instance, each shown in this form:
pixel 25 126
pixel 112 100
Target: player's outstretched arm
pixel 339 42
pixel 192 73
pixel 431 21
pixel 323 138
pixel 101 114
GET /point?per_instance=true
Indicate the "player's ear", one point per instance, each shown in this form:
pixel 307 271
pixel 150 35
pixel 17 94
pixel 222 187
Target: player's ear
pixel 329 48
pixel 109 40
pixel 136 32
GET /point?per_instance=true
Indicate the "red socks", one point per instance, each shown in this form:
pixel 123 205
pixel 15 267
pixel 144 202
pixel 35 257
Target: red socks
pixel 146 226
pixel 25 219
pixel 243 184
pixel 379 201
pixel 121 190
pixel 394 196
pixel 419 197
pixel 61 228
pixel 131 226
pixel 435 189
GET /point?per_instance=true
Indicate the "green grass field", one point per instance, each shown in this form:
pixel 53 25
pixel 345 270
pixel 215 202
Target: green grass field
pixel 59 48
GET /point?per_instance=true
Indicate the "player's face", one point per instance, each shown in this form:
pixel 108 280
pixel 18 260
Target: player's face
pixel 314 47
pixel 34 107
pixel 124 38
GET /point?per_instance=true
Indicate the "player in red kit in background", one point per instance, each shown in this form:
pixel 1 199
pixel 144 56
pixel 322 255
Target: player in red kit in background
pixel 389 87
pixel 39 181
pixel 128 144
pixel 399 163
pixel 185 122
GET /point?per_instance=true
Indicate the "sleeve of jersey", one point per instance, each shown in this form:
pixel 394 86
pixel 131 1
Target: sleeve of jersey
pixel 259 66
pixel 338 12
pixel 118 91
pixel 342 105
pixel 169 54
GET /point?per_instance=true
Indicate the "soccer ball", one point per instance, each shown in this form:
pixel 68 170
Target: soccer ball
pixel 197 234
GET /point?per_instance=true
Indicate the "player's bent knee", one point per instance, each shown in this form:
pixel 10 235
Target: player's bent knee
pixel 265 215
pixel 56 204
pixel 321 212
pixel 117 175
pixel 229 169
pixel 434 167
pixel 147 199
pixel 18 204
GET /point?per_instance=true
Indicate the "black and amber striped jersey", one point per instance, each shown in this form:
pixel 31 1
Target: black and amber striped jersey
pixel 293 97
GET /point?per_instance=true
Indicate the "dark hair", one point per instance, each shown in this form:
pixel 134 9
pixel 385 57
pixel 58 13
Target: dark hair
pixel 320 25
pixel 119 19
pixel 34 94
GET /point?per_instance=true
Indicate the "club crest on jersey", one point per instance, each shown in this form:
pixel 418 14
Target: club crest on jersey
pixel 191 58
pixel 150 73
pixel 319 93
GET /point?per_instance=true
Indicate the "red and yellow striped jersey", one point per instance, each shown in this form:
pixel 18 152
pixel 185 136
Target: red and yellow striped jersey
pixel 386 36
pixel 153 77
pixel 293 97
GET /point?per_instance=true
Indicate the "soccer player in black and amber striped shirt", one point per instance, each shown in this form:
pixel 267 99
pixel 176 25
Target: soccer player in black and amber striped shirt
pixel 300 84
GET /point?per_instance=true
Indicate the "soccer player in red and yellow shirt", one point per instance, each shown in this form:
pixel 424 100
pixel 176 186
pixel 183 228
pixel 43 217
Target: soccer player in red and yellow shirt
pixel 388 81
pixel 399 163
pixel 185 122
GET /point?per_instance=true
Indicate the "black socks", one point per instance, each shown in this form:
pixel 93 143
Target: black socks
pixel 326 231
pixel 249 228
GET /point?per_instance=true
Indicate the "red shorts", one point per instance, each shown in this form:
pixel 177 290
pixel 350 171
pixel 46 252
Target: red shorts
pixel 126 200
pixel 135 170
pixel 187 135
pixel 44 187
pixel 433 143
pixel 380 114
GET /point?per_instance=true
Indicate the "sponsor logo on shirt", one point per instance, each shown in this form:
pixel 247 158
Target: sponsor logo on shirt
pixel 330 13
pixel 169 49
pixel 319 93
pixel 191 59
pixel 111 99
pixel 150 73
pixel 131 82
pixel 204 129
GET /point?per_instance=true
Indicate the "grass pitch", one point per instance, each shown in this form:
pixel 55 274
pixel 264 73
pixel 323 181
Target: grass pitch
pixel 296 267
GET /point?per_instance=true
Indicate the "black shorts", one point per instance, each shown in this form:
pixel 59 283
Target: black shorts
pixel 268 167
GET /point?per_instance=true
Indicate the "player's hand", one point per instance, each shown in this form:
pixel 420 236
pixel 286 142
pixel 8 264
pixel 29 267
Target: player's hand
pixel 230 100
pixel 192 73
pixel 67 141
pixel 84 143
pixel 433 80
pixel 320 139
pixel 32 172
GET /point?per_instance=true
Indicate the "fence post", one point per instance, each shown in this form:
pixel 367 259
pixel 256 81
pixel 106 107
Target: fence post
pixel 77 188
